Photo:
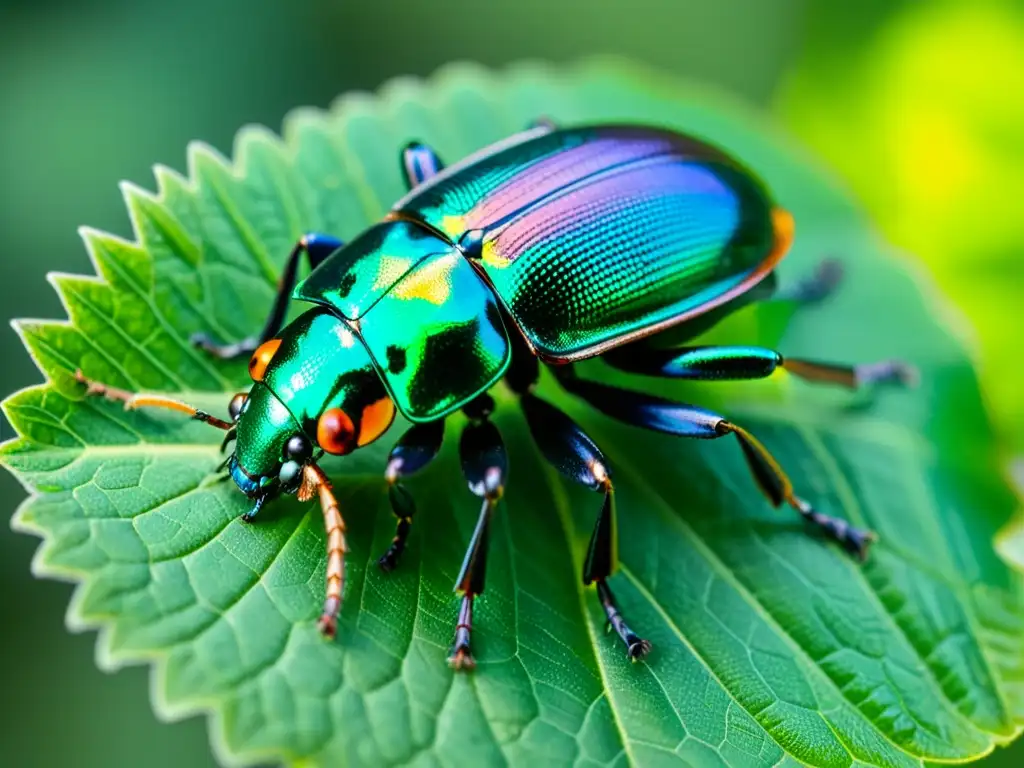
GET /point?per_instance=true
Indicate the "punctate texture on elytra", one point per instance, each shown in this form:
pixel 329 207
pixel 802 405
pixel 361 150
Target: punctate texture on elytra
pixel 770 646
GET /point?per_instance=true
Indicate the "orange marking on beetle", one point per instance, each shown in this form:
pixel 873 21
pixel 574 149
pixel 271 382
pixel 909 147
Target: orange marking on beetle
pixel 377 417
pixel 335 432
pixel 261 358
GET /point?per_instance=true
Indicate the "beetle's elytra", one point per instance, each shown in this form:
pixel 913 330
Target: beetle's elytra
pixel 553 246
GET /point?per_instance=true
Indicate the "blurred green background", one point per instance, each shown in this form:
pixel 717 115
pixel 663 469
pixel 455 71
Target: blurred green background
pixel 917 106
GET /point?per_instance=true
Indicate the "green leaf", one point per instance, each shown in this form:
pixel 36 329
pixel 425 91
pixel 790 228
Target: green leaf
pixel 771 646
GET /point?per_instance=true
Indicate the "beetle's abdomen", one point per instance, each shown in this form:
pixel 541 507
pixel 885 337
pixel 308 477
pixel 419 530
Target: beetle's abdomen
pixel 593 237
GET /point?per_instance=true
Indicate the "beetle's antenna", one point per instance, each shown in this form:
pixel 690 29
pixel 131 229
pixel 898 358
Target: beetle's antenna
pixel 132 401
pixel 314 481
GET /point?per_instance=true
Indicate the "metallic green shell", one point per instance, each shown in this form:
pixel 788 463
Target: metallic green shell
pixel 593 237
pixel 263 429
pixel 429 322
pixel 437 337
pixel 590 237
pixel 321 364
pixel 354 278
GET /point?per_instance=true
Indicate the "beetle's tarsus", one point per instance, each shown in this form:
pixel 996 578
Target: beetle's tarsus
pixel 461 659
pixel 242 348
pixel 636 646
pixel 856 541
pixel 817 287
pixel 328 626
pixel 414 450
pixel 389 560
pixel 638 650
pixel 887 372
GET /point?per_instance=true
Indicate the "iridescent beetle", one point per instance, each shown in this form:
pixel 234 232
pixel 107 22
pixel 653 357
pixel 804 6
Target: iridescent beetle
pixel 553 246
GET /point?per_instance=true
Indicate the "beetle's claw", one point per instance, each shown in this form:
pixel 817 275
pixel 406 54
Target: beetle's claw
pixel 638 649
pixel 858 541
pixel 462 659
pixel 887 372
pixel 328 625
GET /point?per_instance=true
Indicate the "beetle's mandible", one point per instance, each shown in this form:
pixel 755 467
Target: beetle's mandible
pixel 553 246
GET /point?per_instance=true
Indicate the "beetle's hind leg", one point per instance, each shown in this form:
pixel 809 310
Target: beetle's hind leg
pixel 317 248
pixel 414 450
pixel 683 420
pixel 732 363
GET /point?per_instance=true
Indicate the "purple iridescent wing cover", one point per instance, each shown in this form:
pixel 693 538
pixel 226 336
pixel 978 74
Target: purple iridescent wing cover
pixel 592 237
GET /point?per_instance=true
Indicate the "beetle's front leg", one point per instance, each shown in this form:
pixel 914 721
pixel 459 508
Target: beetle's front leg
pixel 419 163
pixel 317 248
pixel 413 451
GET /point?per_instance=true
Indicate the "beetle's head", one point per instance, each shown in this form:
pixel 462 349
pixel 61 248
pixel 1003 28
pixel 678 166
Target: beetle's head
pixel 270 446
pixel 314 391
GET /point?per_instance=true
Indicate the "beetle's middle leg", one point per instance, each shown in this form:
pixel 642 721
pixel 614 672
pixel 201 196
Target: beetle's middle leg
pixel 485 466
pixel 730 363
pixel 317 248
pixel 683 420
pixel 571 451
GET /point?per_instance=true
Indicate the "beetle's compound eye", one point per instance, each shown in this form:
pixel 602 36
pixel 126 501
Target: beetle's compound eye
pixel 298 448
pixel 289 473
pixel 236 405
pixel 261 359
pixel 335 432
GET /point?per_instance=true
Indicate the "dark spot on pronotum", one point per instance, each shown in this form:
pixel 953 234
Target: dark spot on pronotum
pixel 396 359
pixel 346 284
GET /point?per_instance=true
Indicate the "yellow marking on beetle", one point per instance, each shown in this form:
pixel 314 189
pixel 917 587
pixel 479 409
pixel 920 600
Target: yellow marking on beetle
pixel 390 271
pixel 452 223
pixel 431 282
